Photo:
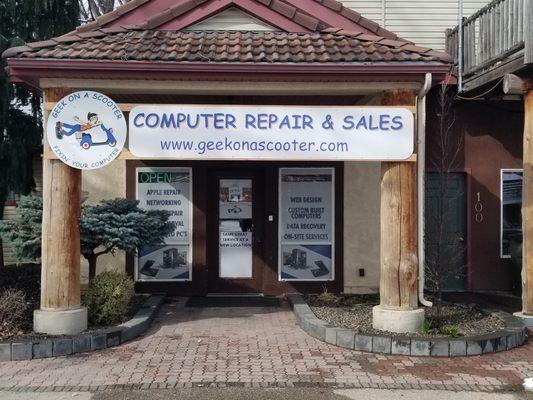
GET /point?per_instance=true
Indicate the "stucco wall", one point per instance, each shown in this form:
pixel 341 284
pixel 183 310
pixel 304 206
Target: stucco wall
pixel 361 226
pixel 103 184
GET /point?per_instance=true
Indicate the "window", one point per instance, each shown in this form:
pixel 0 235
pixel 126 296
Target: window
pixel 511 209
pixel 306 224
pixel 166 189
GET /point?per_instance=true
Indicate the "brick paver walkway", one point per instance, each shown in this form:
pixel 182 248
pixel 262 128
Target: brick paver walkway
pixel 253 346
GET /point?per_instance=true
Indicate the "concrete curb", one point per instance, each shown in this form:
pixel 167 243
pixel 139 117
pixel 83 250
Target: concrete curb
pixel 84 342
pixel 512 336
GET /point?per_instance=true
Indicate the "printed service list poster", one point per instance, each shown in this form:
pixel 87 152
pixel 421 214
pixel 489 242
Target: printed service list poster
pixel 235 228
pixel 306 223
pixel 167 189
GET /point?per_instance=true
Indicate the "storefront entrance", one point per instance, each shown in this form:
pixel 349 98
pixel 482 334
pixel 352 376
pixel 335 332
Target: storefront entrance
pixel 235 231
pixel 241 227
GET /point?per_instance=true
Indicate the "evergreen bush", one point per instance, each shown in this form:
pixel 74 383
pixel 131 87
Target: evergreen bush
pixel 110 225
pixel 13 312
pixel 24 232
pixel 109 298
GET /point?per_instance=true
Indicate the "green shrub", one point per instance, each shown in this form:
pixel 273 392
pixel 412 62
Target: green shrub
pixel 427 326
pixel 13 310
pixel 109 298
pixel 451 331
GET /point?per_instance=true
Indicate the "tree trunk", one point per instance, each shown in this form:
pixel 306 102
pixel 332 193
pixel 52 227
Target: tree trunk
pixel 1 253
pixel 2 208
pixel 92 266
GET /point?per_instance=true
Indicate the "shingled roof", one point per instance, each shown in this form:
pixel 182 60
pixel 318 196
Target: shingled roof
pixel 330 46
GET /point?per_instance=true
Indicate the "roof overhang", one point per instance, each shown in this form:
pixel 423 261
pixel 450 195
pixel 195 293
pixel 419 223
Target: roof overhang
pixel 31 71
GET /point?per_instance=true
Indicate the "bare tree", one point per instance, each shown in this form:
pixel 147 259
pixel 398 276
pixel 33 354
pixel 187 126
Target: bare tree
pixel 445 253
pixel 92 9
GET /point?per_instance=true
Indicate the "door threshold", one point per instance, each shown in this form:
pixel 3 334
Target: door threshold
pixel 235 295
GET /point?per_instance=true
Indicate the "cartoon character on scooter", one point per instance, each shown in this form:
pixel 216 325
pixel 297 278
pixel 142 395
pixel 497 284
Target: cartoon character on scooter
pixel 81 130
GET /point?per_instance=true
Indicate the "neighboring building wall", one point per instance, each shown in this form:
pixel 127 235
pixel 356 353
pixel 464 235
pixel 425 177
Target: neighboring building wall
pixel 421 21
pixel 10 210
pixel 361 226
pixel 492 132
pixel 104 184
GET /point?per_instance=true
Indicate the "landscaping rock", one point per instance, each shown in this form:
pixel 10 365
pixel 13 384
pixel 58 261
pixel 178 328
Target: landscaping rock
pixel 473 347
pixel 98 341
pixel 420 347
pixel 331 335
pixel 81 344
pixel 363 342
pixel 487 346
pixel 345 338
pixel 317 328
pixel 42 349
pixel 113 338
pixel 401 346
pixel 382 344
pixel 5 351
pixel 457 348
pixel 512 341
pixel 440 348
pixel 499 343
pixel 21 351
pixel 415 345
pixel 62 347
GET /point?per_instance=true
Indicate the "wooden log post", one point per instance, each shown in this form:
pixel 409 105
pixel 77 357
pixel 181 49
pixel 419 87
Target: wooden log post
pixel 527 207
pixel 61 311
pixel 398 310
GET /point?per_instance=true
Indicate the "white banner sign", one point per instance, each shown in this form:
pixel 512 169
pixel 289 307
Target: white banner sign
pixel 271 132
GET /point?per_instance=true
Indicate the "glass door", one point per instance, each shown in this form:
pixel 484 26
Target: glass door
pixel 235 230
pixel 235 227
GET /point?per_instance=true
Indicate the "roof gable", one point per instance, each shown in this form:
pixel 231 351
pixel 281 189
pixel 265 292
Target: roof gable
pixel 284 15
pixel 231 19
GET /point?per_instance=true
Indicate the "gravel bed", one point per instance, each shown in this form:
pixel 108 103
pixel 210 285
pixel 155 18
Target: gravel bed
pixel 355 312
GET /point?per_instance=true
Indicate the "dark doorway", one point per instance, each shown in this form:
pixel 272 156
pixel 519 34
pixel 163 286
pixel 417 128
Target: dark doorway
pixel 446 228
pixel 235 231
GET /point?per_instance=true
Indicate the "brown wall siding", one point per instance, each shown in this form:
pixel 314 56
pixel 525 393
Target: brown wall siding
pixel 492 140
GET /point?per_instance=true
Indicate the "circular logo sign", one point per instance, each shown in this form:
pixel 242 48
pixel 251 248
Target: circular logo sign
pixel 86 130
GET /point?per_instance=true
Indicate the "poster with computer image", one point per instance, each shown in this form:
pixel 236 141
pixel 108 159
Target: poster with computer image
pixel 306 262
pixel 169 189
pixel 163 263
pixel 306 224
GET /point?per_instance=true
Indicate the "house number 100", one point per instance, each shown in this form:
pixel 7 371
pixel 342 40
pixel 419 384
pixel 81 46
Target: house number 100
pixel 478 208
